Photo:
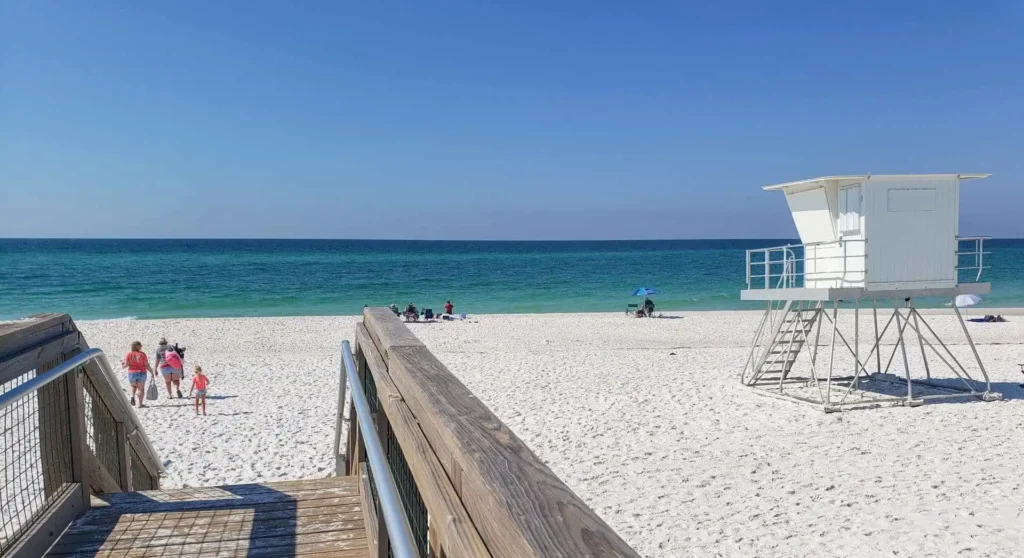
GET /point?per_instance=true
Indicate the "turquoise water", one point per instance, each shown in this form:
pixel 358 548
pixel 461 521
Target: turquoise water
pixel 213 278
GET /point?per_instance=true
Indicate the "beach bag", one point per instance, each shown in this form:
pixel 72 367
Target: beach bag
pixel 152 392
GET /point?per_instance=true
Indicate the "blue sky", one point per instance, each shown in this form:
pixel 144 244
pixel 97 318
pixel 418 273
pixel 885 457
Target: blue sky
pixel 525 120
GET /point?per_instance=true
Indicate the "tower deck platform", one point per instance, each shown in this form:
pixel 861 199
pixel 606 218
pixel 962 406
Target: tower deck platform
pixel 850 294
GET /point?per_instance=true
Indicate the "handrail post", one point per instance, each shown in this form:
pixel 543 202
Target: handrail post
pixel 767 259
pixel 981 258
pixel 341 459
pixel 123 465
pixel 747 269
pixel 79 444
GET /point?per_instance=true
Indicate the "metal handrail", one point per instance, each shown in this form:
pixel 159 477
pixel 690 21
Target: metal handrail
pixel 81 359
pixel 399 532
pixel 789 261
pixel 979 254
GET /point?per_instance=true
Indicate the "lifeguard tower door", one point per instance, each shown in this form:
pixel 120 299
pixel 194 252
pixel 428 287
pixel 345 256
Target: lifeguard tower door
pixel 912 232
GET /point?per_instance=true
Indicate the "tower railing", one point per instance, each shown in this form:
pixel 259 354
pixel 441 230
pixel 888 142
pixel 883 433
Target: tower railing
pixel 795 265
pixel 837 264
pixel 970 258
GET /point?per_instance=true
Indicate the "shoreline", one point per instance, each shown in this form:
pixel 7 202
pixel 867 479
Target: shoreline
pixel 974 310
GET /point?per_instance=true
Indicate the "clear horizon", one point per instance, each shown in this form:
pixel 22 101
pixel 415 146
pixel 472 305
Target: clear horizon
pixel 493 122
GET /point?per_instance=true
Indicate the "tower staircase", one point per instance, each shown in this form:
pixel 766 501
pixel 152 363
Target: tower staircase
pixel 789 331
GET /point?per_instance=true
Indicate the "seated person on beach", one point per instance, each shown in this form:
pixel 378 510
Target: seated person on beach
pixel 648 307
pixel 411 313
pixel 394 308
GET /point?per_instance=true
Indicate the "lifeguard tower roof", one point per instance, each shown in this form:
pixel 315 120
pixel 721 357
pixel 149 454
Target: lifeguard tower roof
pixel 812 182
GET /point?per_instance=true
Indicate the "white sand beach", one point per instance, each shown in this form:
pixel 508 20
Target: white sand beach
pixel 644 419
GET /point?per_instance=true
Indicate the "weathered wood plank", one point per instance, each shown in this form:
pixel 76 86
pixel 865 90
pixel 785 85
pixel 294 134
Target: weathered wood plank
pixel 123 463
pixel 100 480
pixel 47 529
pixel 369 512
pixel 156 524
pixel 375 361
pixel 30 332
pixel 387 330
pixel 251 531
pixel 97 518
pixel 288 545
pixel 273 519
pixel 150 506
pixel 515 501
pixel 17 364
pixel 449 520
pixel 149 461
pixel 79 434
pixel 296 488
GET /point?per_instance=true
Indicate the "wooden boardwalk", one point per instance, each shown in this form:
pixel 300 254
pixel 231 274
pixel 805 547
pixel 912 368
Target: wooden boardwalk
pixel 321 517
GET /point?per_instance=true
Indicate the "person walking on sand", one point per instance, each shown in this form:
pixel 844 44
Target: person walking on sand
pixel 199 383
pixel 169 373
pixel 159 353
pixel 171 370
pixel 138 366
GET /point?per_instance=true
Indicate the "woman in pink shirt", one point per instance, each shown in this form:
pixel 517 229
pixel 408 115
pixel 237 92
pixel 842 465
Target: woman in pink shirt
pixel 171 370
pixel 138 366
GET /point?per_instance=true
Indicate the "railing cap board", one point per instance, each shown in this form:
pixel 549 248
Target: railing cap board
pixel 28 332
pixel 388 331
pixel 519 506
pixel 64 343
pixel 455 530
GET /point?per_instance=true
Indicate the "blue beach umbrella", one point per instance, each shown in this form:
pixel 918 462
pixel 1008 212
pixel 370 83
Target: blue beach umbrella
pixel 644 291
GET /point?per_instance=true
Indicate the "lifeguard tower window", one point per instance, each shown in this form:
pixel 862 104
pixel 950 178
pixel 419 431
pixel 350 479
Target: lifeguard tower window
pixel 849 210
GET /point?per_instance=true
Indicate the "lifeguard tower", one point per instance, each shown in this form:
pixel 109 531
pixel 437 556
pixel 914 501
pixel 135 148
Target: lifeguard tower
pixel 869 242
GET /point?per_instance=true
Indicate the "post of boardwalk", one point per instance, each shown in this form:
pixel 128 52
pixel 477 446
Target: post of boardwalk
pixel 469 485
pixel 868 243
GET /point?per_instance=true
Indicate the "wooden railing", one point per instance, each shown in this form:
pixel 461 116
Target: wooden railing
pixel 470 487
pixel 68 433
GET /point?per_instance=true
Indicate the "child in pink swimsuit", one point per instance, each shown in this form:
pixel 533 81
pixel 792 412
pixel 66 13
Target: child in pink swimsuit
pixel 199 382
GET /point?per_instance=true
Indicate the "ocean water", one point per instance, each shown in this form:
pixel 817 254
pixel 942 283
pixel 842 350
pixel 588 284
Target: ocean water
pixel 214 278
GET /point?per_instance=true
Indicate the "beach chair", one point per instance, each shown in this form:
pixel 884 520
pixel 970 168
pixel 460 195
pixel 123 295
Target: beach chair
pixel 428 313
pixel 632 309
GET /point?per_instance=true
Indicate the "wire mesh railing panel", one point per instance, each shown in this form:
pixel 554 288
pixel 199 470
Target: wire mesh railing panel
pixel 415 509
pixel 101 429
pixel 370 389
pixel 35 463
pixel 141 479
pixel 412 502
